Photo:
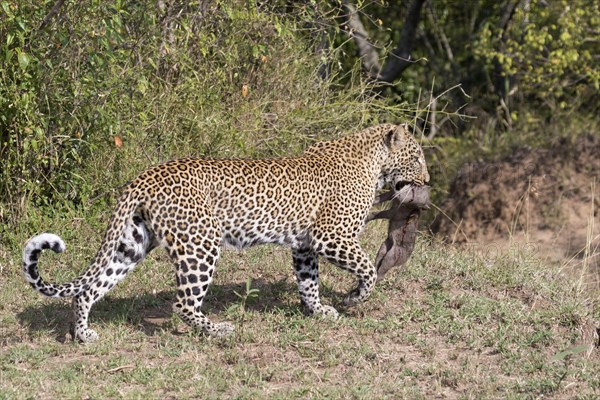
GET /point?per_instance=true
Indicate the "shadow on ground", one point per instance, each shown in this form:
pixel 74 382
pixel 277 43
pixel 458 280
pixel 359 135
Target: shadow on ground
pixel 149 312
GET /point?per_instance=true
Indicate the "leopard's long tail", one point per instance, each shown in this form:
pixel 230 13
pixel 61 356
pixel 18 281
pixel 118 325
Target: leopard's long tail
pixel 37 244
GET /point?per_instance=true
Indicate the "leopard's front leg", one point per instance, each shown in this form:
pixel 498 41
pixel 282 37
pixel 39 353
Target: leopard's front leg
pixel 348 255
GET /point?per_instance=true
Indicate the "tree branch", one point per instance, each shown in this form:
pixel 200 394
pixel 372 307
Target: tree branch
pixel 400 57
pixel 318 30
pixel 369 57
pixel 55 9
pixel 500 79
pixel 508 11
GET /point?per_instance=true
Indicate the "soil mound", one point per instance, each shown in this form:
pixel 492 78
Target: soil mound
pixel 545 200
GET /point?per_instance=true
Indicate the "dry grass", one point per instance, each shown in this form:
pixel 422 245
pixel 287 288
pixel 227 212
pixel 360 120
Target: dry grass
pixel 449 325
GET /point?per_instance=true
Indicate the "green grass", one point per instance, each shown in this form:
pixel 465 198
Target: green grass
pixel 450 323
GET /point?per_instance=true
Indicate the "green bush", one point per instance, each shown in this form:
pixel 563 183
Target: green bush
pixel 104 89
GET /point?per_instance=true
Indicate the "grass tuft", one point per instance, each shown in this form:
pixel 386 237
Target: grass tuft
pixel 450 323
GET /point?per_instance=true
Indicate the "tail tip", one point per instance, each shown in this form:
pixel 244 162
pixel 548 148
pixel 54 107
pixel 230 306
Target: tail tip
pixel 47 241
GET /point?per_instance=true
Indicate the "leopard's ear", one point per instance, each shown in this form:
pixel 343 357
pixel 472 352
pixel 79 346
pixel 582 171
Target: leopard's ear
pixel 394 138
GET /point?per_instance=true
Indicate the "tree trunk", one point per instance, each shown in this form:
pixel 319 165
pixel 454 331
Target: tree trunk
pixel 399 59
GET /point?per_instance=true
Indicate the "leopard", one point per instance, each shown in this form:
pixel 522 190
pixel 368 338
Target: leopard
pixel 316 203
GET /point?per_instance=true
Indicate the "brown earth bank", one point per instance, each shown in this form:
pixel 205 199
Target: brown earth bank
pixel 540 200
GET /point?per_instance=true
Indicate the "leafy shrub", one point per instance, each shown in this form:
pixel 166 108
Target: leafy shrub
pixel 103 89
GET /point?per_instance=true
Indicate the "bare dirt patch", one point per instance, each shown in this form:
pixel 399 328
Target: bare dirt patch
pixel 541 200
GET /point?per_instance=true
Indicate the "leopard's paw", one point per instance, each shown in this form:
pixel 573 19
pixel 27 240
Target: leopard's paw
pixel 86 335
pixel 221 329
pixel 329 312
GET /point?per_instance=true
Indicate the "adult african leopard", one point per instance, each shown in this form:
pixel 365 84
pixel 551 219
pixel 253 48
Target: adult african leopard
pixel 316 203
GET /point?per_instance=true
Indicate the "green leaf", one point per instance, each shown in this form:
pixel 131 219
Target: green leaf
pixel 9 38
pixel 23 60
pixel 6 9
pixel 8 55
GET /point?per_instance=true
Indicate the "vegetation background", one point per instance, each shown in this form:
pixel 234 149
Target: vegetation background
pixel 93 92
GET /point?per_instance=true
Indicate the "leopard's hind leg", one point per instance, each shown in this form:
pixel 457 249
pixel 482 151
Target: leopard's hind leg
pixel 194 244
pixel 306 267
pixel 135 242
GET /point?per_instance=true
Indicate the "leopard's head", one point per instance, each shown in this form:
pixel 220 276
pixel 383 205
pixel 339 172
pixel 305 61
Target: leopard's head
pixel 405 162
